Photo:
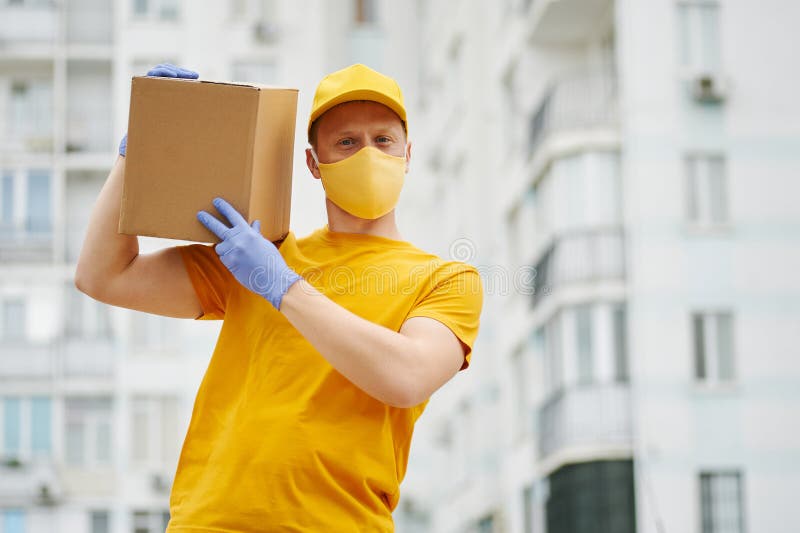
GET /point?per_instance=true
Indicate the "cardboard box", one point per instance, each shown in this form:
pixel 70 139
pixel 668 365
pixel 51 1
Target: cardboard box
pixel 192 140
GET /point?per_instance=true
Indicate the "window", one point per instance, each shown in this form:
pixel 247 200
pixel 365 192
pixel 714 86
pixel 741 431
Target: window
pixel 621 374
pixel 154 422
pixel 583 333
pixel 255 72
pixel 25 427
pixel 551 335
pixel 6 201
pixel 100 522
pixel 150 521
pixel 41 426
pixel 706 184
pixel 12 427
pixel 38 219
pixel 713 347
pixel 721 502
pixel 85 317
pixel 14 323
pixel 13 520
pixel 519 368
pixel 366 12
pixel 527 509
pixel 699 35
pixel 88 431
pixel 30 111
pixel 162 9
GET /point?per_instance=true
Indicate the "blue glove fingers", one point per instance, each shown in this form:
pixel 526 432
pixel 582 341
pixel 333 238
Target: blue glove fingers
pixel 256 225
pixel 214 226
pixel 123 145
pixel 229 212
pixel 162 72
pixel 167 70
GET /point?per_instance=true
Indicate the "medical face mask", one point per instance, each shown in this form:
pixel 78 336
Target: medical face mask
pixel 367 184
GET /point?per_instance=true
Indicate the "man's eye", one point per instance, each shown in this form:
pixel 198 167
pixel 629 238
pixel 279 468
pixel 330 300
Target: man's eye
pixel 384 139
pixel 346 142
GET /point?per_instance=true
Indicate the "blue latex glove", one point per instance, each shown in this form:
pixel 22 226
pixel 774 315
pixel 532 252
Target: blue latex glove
pixel 253 260
pixel 162 70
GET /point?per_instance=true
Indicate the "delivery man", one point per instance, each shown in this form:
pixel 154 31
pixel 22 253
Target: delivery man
pixel 330 346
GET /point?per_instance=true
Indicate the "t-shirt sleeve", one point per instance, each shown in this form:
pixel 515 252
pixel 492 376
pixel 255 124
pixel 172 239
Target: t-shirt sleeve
pixel 454 298
pixel 210 278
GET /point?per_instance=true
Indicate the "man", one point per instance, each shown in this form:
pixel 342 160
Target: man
pixel 330 346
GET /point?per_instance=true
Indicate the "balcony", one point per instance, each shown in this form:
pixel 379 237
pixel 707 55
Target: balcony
pixel 28 481
pixel 585 416
pixel 22 244
pixel 585 256
pixel 28 24
pixel 89 22
pixel 22 359
pixel 87 357
pixel 580 103
pixel 565 22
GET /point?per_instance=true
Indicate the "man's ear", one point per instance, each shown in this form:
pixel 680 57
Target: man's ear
pixel 408 155
pixel 312 165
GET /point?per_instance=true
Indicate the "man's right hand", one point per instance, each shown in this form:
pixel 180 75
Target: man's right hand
pixel 162 70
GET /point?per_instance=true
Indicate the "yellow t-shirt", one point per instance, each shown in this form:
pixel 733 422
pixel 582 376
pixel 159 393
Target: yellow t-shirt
pixel 279 440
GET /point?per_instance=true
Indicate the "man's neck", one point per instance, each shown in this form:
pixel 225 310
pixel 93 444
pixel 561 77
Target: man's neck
pixel 341 221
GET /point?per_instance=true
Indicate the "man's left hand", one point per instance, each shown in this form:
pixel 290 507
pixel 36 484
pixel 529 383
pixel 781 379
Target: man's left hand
pixel 253 260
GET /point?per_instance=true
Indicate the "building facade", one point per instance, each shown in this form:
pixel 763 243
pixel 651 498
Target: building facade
pixel 621 171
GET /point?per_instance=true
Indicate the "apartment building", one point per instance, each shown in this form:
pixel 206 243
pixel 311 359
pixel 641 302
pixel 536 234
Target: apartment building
pixel 94 400
pixel 626 168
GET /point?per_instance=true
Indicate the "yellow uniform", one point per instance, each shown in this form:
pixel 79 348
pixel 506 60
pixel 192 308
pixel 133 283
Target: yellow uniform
pixel 279 440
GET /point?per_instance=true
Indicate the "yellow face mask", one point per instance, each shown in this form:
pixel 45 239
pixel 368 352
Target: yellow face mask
pixel 367 184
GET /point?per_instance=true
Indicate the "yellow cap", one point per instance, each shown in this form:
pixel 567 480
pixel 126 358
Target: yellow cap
pixel 356 82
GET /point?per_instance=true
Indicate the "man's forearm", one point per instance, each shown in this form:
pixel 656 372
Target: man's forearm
pixel 105 252
pixel 374 358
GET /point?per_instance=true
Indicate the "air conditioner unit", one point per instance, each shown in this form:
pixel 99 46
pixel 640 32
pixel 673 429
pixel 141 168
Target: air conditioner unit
pixel 47 495
pixel 708 88
pixel 265 32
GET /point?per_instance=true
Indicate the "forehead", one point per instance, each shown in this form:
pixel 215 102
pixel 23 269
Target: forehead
pixel 359 114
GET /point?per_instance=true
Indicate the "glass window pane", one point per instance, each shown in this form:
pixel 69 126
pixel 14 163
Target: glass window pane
pixel 718 211
pixel 13 319
pixel 709 37
pixel 103 441
pixel 140 7
pixel 620 345
pixel 13 521
pixel 168 10
pixel 40 425
pixel 75 443
pixel 7 206
pixel 39 201
pixel 583 329
pixel 100 522
pixel 699 346
pixel 725 347
pixel 12 426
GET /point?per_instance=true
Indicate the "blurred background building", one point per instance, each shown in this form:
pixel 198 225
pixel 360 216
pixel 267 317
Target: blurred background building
pixel 621 172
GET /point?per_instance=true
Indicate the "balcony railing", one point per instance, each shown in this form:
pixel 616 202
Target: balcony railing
pixel 586 101
pixel 30 243
pixel 93 357
pixel 588 415
pixel 89 128
pixel 89 24
pixel 22 24
pixel 586 256
pixel 23 359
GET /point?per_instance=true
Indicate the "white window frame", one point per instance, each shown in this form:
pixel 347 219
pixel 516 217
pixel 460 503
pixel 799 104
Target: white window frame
pixel 707 203
pixel 718 476
pixel 92 420
pixel 693 45
pixel 26 452
pixel 156 455
pixel 711 348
